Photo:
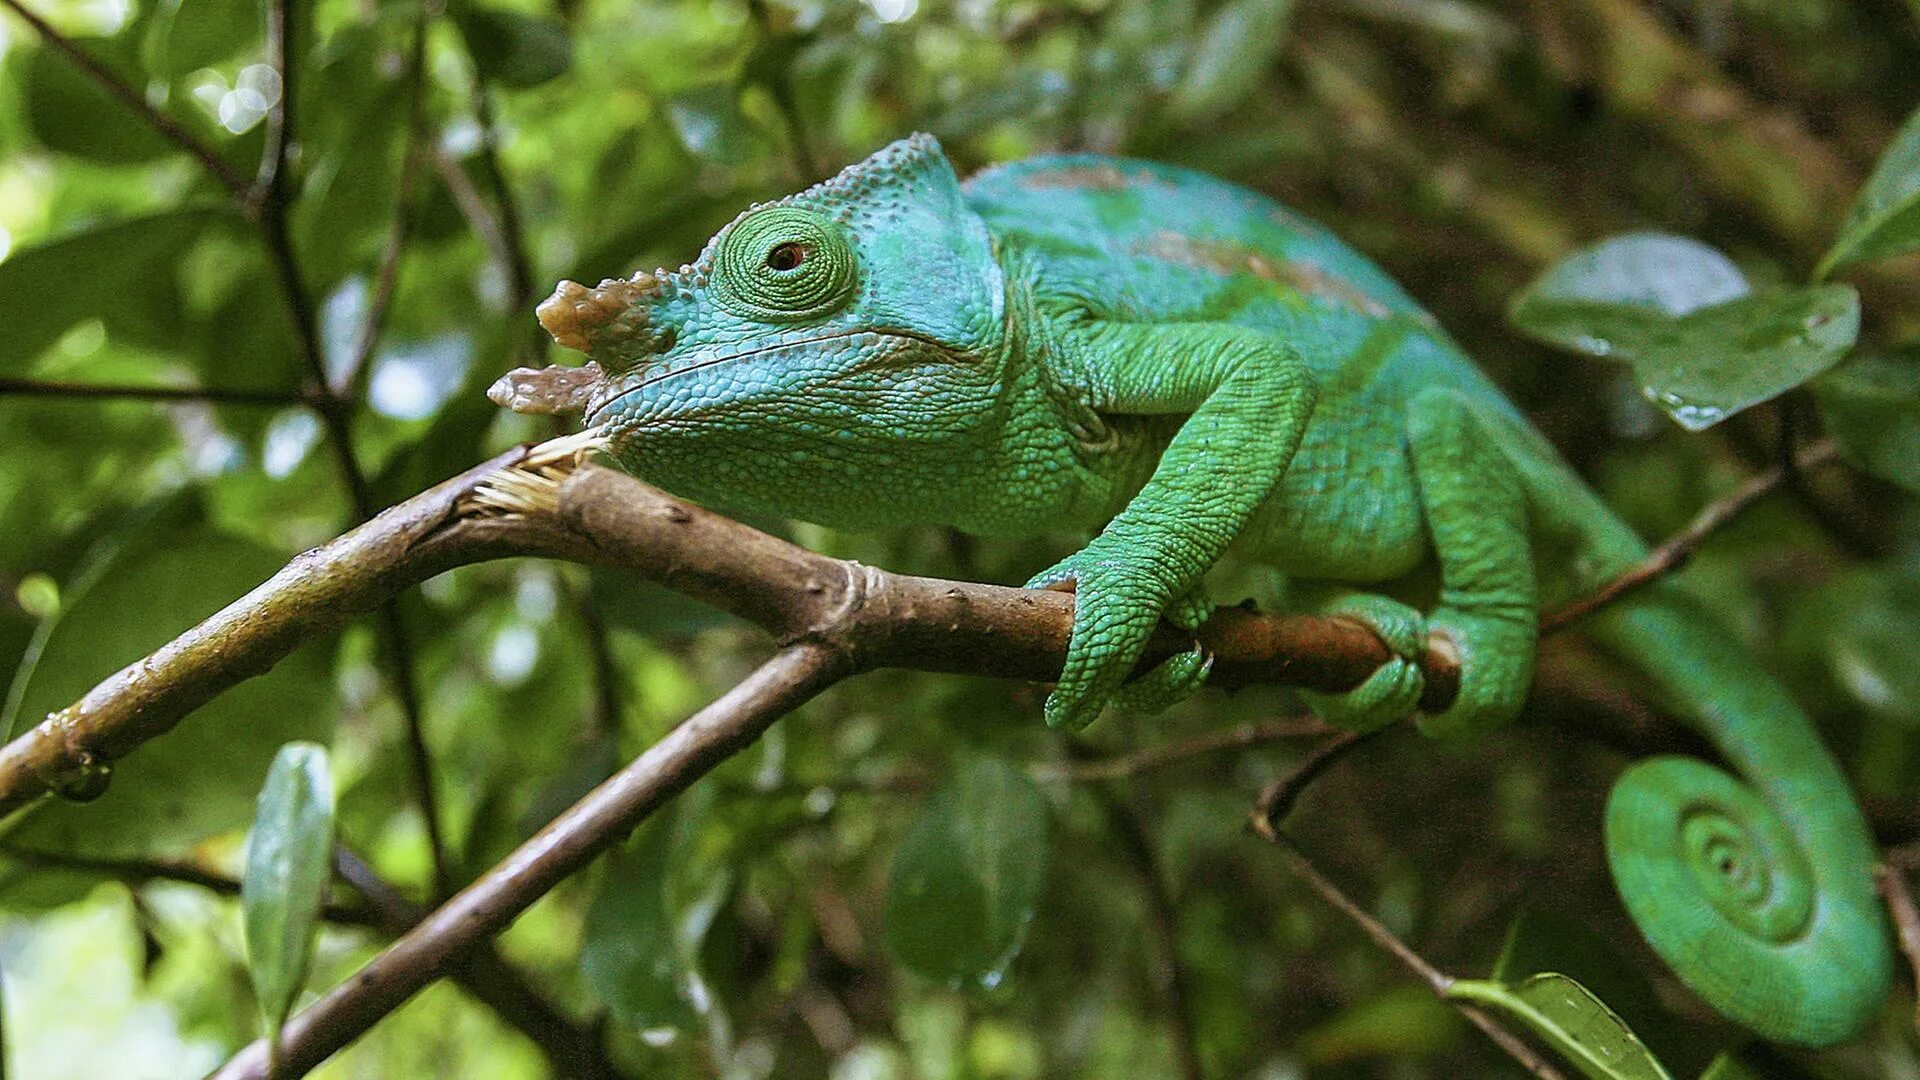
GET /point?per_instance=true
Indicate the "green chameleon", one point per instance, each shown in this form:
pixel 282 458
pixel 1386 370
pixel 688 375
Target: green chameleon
pixel 1183 368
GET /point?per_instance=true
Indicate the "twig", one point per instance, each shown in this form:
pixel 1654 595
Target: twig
pixel 1892 882
pixel 1674 553
pixel 1437 980
pixel 568 843
pixel 1277 798
pixel 269 200
pixel 135 872
pixel 1157 757
pixel 387 278
pixel 1126 822
pixel 166 125
pixel 1271 809
pixel 213 395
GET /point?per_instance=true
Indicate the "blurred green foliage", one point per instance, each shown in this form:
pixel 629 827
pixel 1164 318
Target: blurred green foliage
pixel 1468 145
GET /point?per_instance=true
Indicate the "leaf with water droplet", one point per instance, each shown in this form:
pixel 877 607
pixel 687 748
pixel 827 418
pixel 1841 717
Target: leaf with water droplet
pixel 289 859
pixel 1567 1017
pixel 1714 362
pixel 1609 299
pixel 1871 407
pixel 967 877
pixel 1885 219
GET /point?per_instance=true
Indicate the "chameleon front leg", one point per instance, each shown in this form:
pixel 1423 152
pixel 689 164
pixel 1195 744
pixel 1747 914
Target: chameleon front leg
pixel 1476 512
pixel 1249 397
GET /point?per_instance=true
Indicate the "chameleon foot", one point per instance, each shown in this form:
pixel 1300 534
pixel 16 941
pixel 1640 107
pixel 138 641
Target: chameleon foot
pixel 1392 692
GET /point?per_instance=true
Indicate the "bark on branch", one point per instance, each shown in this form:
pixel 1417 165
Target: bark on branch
pixel 535 501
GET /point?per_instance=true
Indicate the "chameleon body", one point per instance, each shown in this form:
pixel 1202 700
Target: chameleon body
pixel 1183 369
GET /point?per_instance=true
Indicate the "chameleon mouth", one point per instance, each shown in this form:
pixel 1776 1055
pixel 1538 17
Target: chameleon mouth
pixel 593 414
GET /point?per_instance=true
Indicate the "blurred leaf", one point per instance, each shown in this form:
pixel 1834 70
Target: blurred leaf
pixel 1865 622
pixel 289 861
pixel 1576 1024
pixel 196 781
pixel 1717 361
pixel 1406 1021
pixel 1885 219
pixel 186 35
pixel 93 273
pixel 1606 300
pixel 968 875
pixel 1871 407
pixel 514 49
pixel 630 957
pixel 711 126
pixel 1231 56
pixel 69 113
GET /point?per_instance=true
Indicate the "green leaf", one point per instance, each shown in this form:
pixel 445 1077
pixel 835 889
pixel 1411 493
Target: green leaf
pixel 1717 361
pixel 186 35
pixel 289 853
pixel 1544 940
pixel 1403 1022
pixel 1576 1024
pixel 1608 299
pixel 1702 345
pixel 630 957
pixel 1230 57
pixel 1871 407
pixel 93 273
pixel 967 877
pixel 196 780
pixel 1885 219
pixel 70 114
pixel 513 49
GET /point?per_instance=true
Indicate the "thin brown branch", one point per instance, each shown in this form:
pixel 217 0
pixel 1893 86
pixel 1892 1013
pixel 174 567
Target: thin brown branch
pixel 1439 981
pixel 387 278
pixel 269 200
pixel 1677 549
pixel 1277 798
pixel 567 844
pixel 1161 917
pixel 212 395
pixel 1133 763
pixel 1892 882
pixel 1272 807
pixel 598 516
pixel 135 872
pixel 513 244
pixel 167 126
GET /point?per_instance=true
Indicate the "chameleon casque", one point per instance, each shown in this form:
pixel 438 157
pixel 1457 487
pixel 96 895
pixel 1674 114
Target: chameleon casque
pixel 1183 368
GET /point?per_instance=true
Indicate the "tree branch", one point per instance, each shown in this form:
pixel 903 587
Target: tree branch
pixel 1272 807
pixel 567 844
pixel 598 516
pixel 1674 553
pixel 1892 882
pixel 167 126
pixel 213 395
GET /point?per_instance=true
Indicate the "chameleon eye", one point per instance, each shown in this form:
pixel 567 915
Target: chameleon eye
pixel 784 264
pixel 786 256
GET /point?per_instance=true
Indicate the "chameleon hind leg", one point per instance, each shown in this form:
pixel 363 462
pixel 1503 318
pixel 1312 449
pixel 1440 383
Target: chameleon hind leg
pixel 1476 513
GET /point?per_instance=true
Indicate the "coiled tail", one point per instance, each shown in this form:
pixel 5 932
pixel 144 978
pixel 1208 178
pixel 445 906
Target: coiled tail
pixel 1758 892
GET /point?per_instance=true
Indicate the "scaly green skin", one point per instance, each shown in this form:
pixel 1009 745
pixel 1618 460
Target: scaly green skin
pixel 1183 367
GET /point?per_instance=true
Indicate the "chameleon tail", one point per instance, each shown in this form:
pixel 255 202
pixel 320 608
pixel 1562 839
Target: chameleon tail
pixel 1759 894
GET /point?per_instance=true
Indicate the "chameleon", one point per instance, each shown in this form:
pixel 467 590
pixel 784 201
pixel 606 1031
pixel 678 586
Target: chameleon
pixel 1183 369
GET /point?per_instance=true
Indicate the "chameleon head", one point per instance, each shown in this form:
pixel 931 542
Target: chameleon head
pixel 822 350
